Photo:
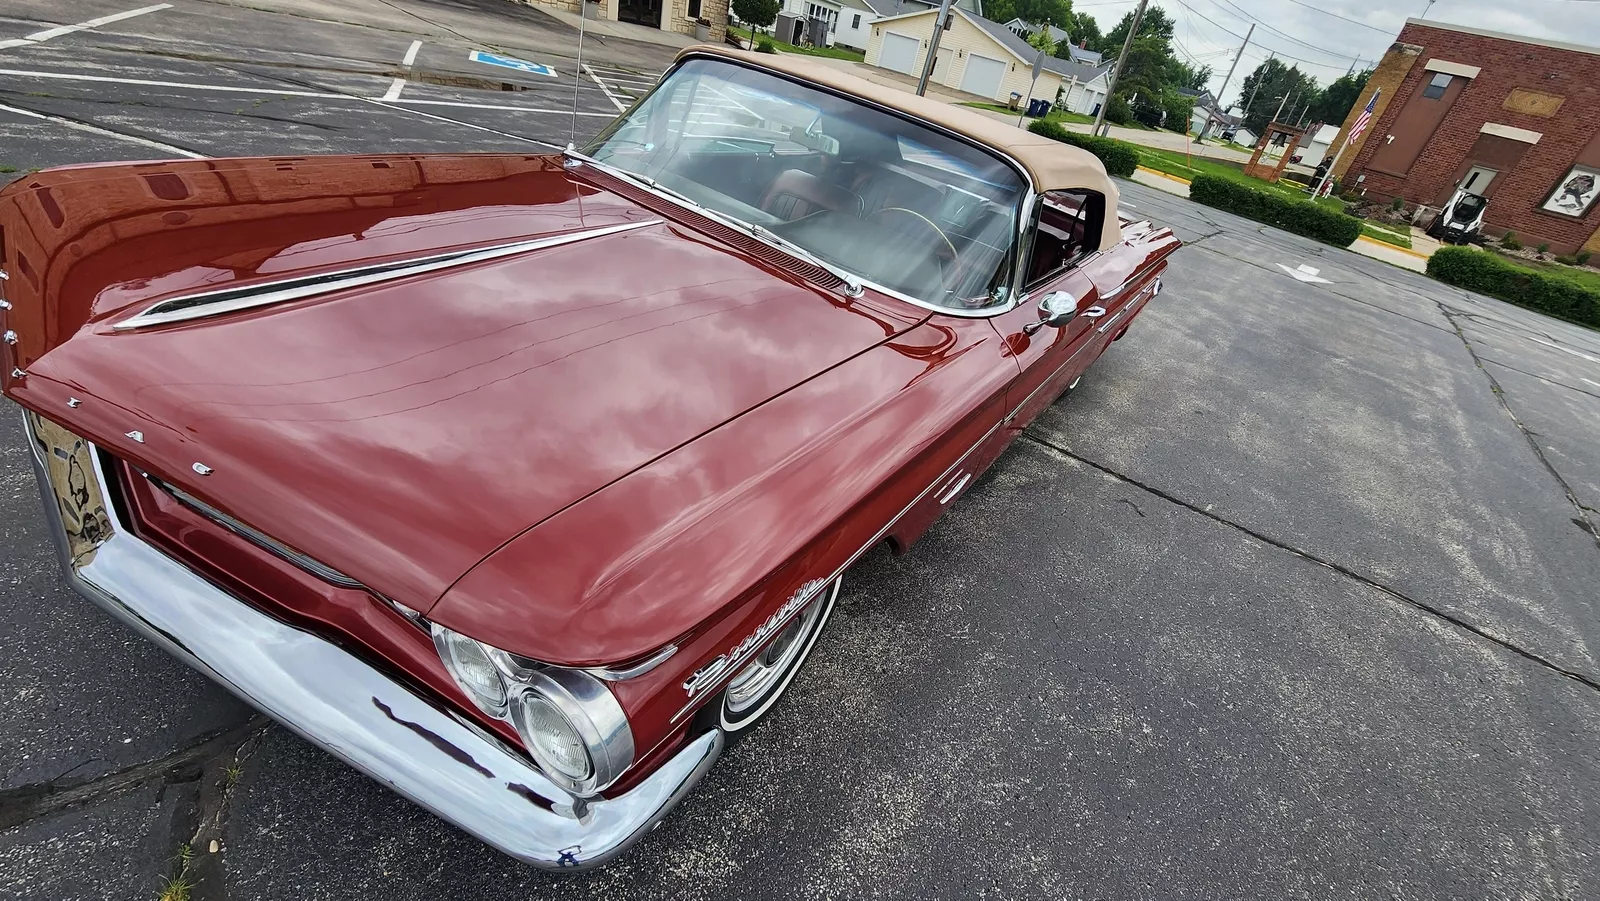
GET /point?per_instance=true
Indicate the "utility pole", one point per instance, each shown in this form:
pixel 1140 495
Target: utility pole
pixel 1281 104
pixel 1353 66
pixel 1253 88
pixel 1223 91
pixel 1122 60
pixel 939 22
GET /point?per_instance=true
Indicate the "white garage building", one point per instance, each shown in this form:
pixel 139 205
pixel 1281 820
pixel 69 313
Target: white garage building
pixel 976 56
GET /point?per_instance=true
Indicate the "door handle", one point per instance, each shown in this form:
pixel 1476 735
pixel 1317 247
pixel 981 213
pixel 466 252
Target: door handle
pixel 1093 313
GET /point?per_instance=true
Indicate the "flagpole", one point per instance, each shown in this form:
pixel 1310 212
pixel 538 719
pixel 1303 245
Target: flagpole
pixel 1370 109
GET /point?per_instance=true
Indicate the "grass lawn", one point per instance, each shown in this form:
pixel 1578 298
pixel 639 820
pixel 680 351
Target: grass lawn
pixel 1583 275
pixel 831 52
pixel 1055 115
pixel 1186 166
pixel 1388 237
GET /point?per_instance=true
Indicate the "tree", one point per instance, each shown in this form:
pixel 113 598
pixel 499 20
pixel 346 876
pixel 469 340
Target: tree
pixel 1336 101
pixel 1040 40
pixel 1084 28
pixel 1179 109
pixel 756 14
pixel 1186 76
pixel 1271 84
pixel 1035 12
pixel 1154 24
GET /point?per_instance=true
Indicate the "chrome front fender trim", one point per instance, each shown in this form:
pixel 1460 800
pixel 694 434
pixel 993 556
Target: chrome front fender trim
pixel 358 713
pixel 205 304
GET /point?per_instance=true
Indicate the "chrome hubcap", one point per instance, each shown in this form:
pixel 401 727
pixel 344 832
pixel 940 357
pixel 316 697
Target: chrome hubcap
pixel 768 668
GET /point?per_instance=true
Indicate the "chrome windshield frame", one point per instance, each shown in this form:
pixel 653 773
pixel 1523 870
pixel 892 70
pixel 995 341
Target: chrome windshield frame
pixel 1030 195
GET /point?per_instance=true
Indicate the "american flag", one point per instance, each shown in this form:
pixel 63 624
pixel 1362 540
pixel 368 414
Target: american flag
pixel 1363 119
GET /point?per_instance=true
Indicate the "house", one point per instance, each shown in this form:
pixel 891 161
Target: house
pixel 1207 116
pixel 679 16
pixel 849 21
pixel 980 57
pixel 1507 116
pixel 1315 148
pixel 1080 52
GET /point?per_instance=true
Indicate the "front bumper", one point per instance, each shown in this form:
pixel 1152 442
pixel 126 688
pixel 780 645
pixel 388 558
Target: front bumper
pixel 351 709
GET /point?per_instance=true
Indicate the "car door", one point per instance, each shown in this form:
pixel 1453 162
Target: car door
pixel 1063 237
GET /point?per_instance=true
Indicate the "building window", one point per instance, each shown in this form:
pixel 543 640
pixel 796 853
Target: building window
pixel 694 9
pixel 857 22
pixel 1437 87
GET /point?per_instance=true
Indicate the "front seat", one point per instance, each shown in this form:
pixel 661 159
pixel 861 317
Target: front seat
pixel 796 194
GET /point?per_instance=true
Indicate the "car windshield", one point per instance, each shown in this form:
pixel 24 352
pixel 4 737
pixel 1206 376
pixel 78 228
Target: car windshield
pixel 891 201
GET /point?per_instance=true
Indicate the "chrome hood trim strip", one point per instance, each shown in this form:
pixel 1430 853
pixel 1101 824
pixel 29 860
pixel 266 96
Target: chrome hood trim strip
pixel 205 304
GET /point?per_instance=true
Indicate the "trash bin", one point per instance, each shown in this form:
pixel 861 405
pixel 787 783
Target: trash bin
pixel 1039 108
pixel 1016 100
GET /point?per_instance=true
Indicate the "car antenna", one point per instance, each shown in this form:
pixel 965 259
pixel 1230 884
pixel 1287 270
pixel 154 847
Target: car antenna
pixel 577 78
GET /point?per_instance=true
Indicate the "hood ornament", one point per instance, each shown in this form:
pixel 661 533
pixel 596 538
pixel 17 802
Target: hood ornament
pixel 202 469
pixel 137 436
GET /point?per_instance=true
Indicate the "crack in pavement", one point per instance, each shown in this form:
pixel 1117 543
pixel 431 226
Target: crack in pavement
pixel 1543 378
pixel 1527 434
pixel 27 802
pixel 1452 619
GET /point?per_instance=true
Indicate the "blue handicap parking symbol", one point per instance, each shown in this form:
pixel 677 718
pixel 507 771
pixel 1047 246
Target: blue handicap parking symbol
pixel 509 62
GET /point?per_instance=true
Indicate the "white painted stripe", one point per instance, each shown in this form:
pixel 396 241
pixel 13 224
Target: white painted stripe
pixel 411 55
pixel 56 32
pixel 395 87
pixel 493 131
pixel 14 42
pixel 514 109
pixel 105 132
pixel 281 92
pixel 606 90
pixel 1592 382
pixel 1565 350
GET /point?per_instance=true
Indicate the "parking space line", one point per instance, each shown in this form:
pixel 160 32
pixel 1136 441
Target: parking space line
pixel 399 84
pixel 104 132
pixel 48 33
pixel 283 92
pixel 604 89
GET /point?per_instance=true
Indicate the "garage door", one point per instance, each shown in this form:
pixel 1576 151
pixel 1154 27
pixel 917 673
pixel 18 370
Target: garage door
pixel 983 76
pixel 899 52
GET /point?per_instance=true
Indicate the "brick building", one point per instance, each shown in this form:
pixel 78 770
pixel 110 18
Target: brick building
pixel 1512 118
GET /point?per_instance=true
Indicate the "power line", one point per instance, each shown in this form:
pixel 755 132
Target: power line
pixel 1298 59
pixel 1342 18
pixel 1248 17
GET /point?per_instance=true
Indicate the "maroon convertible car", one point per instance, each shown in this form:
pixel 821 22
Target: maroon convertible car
pixel 524 483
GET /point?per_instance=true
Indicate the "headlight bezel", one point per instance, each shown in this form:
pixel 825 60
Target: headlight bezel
pixel 580 698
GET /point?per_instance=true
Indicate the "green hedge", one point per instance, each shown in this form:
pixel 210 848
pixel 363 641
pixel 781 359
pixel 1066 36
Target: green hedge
pixel 1482 271
pixel 1303 217
pixel 1119 158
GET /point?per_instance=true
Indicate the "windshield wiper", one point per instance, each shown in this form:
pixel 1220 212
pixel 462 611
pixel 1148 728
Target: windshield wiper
pixel 852 282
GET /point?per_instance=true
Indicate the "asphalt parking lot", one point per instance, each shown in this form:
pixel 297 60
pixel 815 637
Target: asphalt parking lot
pixel 1295 596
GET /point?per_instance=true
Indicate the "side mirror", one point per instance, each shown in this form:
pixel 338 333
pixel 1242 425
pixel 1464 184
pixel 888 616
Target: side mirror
pixel 1056 309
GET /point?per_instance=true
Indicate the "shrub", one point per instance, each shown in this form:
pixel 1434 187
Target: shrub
pixel 1119 157
pixel 1118 111
pixel 1397 204
pixel 1566 259
pixel 1488 274
pixel 766 46
pixel 1583 256
pixel 1303 217
pixel 1544 248
pixel 1509 241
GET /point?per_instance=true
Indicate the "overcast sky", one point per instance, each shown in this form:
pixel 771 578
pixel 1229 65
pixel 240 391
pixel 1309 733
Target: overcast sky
pixel 1300 28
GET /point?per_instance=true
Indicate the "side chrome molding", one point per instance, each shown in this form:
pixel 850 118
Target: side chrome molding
pixel 204 304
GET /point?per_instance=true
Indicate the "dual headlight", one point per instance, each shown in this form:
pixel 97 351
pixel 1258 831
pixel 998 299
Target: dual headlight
pixel 568 719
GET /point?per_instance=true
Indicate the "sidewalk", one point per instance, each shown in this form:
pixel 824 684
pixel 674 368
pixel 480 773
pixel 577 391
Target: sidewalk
pixel 605 28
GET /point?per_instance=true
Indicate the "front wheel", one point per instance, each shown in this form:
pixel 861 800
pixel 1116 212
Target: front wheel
pixel 758 686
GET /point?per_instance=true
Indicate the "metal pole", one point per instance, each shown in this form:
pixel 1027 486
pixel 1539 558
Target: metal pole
pixel 1111 87
pixel 1253 88
pixel 1342 148
pixel 933 47
pixel 1222 91
pixel 577 79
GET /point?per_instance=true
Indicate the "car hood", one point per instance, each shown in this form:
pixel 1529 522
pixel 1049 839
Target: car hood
pixel 401 431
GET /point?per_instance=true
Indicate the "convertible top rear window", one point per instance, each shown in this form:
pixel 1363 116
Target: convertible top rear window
pixel 898 203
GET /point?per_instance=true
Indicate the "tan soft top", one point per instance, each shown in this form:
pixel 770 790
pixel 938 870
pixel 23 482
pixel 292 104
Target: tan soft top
pixel 1051 164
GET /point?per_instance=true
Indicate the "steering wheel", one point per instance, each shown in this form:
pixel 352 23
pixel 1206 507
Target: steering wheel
pixel 944 248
